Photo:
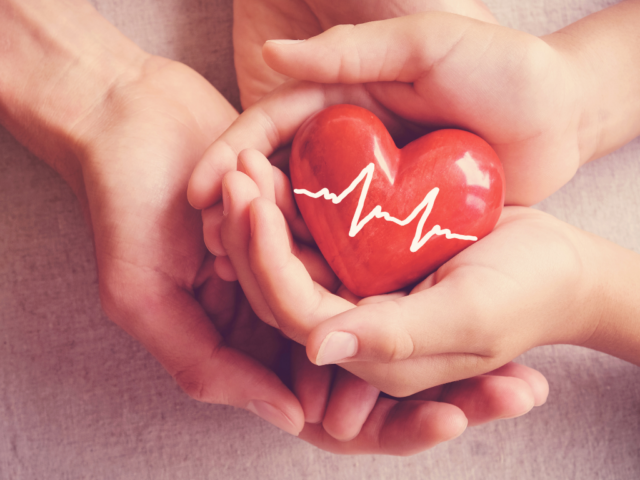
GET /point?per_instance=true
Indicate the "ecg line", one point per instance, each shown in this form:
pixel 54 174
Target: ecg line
pixel 357 224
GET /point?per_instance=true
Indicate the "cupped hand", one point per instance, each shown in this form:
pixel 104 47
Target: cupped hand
pixel 505 393
pixel 156 282
pixel 530 282
pixel 256 21
pixel 522 94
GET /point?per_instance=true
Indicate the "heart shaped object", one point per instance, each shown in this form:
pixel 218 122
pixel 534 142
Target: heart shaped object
pixel 384 217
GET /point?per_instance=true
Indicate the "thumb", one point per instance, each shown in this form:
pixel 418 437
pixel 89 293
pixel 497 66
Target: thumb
pixel 400 49
pixel 174 328
pixel 435 321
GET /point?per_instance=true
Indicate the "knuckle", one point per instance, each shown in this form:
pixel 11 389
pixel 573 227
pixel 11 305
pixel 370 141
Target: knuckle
pixel 123 299
pixel 200 382
pixel 397 341
pixel 191 383
pixel 481 330
pixel 269 127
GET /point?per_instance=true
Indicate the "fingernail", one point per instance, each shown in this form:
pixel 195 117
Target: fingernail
pixel 337 346
pixel 225 200
pixel 285 41
pixel 272 415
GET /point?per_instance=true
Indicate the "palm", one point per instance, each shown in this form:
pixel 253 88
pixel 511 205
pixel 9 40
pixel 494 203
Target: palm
pixel 256 21
pixel 528 255
pixel 153 264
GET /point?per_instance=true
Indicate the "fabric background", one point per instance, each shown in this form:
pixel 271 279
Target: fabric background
pixel 79 399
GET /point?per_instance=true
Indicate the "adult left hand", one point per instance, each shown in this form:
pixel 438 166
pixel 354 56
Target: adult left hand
pixel 256 21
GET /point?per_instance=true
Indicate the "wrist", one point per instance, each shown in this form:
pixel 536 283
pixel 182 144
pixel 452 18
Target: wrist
pixel 603 56
pixel 616 329
pixel 63 62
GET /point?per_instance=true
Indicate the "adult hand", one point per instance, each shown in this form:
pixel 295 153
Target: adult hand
pixel 256 21
pixel 125 129
pixel 547 105
pixel 434 70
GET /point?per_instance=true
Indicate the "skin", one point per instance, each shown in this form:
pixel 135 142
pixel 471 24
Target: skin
pixel 278 284
pixel 401 350
pixel 548 105
pixel 533 281
pixel 125 130
pixel 256 21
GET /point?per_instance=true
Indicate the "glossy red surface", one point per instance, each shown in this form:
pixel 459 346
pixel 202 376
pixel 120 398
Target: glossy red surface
pixel 334 147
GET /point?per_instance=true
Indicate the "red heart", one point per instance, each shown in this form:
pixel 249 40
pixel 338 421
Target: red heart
pixel 380 215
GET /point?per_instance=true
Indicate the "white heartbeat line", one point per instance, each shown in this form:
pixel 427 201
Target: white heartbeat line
pixel 357 224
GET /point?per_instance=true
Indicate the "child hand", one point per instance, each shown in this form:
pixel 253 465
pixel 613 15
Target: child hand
pixel 501 397
pixel 533 281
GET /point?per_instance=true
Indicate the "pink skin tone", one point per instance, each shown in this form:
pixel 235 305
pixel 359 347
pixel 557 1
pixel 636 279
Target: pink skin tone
pixel 511 390
pixel 256 21
pixel 542 103
pixel 125 129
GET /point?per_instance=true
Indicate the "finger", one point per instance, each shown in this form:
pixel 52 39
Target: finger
pixel 311 384
pixel 270 125
pixel 507 392
pixel 350 404
pixel 536 380
pixel 211 223
pixel 257 167
pixel 287 204
pixel 430 322
pixel 486 398
pixel 251 163
pixel 238 192
pixel 396 428
pixel 260 129
pixel 401 49
pixel 275 186
pixel 205 184
pixel 225 270
pixel 171 324
pixel 295 299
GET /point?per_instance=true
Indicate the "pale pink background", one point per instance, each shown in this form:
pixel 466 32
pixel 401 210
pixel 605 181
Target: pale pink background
pixel 79 399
